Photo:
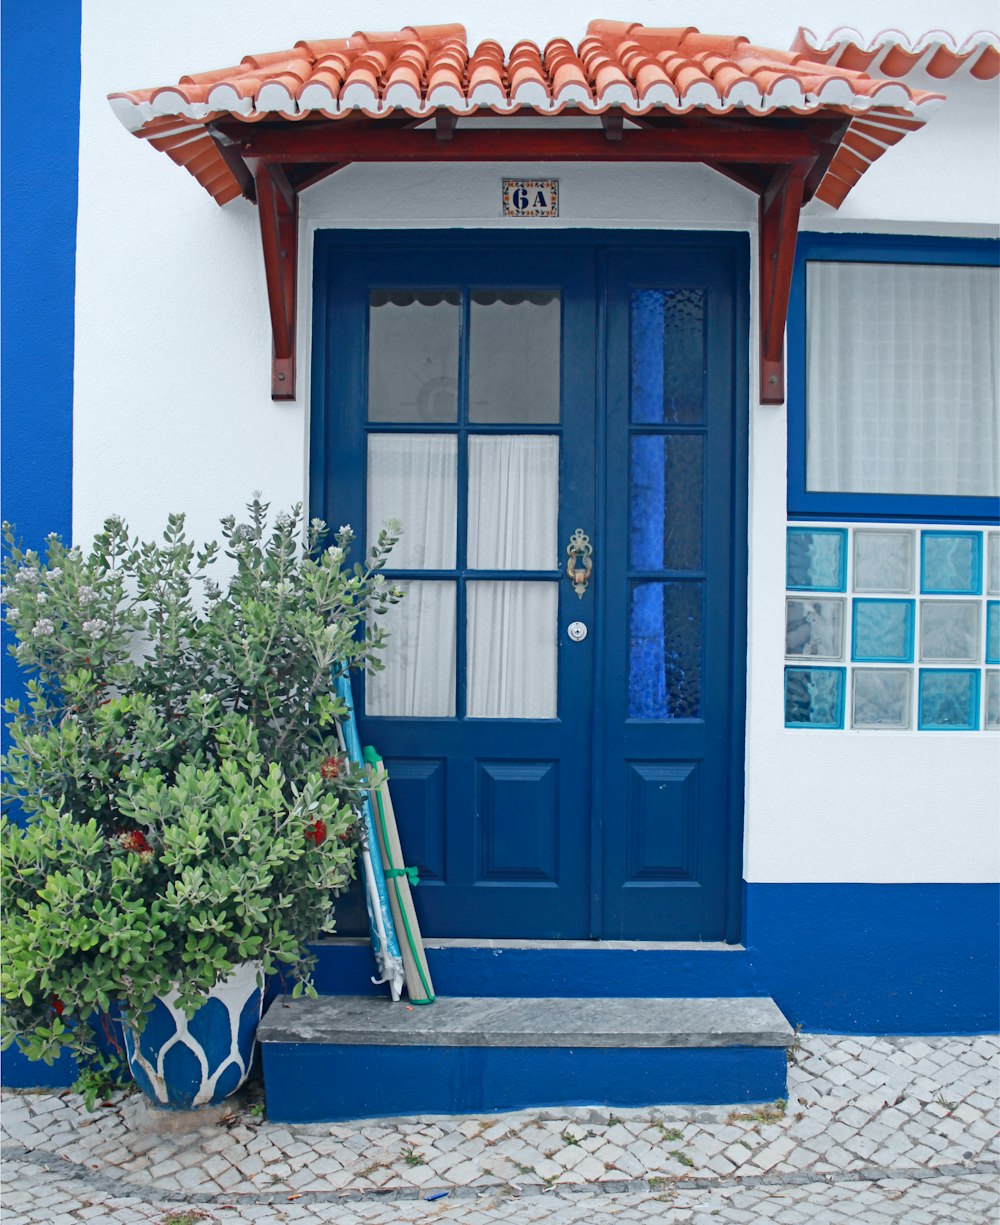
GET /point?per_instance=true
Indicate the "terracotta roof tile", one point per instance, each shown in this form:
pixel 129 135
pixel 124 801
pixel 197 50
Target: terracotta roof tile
pixel 624 65
pixel 891 54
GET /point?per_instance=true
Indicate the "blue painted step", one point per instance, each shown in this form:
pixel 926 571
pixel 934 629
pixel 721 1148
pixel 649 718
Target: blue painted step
pixel 348 1057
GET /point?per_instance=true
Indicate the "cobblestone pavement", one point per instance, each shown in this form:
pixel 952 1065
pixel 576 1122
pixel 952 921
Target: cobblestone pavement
pixel 876 1130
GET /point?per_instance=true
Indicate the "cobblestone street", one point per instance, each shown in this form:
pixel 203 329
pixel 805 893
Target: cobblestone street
pixel 876 1129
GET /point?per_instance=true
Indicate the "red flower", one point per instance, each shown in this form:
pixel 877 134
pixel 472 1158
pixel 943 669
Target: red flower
pixel 316 832
pixel 57 1005
pixel 135 840
pixel 330 768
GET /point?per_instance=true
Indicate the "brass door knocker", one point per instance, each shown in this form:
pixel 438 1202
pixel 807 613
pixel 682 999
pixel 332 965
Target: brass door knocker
pixel 580 564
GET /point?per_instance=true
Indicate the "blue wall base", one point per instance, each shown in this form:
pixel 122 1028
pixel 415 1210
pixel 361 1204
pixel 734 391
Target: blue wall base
pixel 312 1083
pixel 836 958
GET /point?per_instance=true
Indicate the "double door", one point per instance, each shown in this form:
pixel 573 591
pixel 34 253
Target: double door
pixel 558 427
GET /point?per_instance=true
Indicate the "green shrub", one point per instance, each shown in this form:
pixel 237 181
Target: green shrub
pixel 185 804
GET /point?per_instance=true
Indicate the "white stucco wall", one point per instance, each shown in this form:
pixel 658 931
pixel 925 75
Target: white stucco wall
pixel 173 411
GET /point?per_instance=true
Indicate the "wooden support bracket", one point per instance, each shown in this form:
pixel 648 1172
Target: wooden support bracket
pixel 278 208
pixel 779 209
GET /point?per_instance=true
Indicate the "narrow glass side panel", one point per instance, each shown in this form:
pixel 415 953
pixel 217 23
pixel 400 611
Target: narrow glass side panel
pixel 514 356
pixel 414 478
pixel 668 356
pixel 665 632
pixel 511 649
pixel 413 355
pixel 665 507
pixel 513 502
pixel 419 656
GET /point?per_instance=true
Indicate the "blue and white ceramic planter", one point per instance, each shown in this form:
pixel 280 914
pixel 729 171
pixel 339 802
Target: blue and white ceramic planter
pixel 180 1063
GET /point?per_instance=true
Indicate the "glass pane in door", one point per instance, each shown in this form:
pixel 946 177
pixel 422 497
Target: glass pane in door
pixel 413 355
pixel 513 501
pixel 419 654
pixel 414 478
pixel 511 648
pixel 514 356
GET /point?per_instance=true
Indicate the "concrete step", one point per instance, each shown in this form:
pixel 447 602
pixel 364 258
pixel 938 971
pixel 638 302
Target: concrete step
pixel 346 1057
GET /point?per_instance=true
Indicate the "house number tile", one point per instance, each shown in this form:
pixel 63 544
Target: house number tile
pixel 531 197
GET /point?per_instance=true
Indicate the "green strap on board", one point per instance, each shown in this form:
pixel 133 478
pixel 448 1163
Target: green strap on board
pixel 412 875
pixel 392 873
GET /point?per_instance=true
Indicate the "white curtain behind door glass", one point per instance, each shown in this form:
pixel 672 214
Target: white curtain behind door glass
pixel 513 502
pixel 511 647
pixel 419 656
pixel 902 372
pixel 414 478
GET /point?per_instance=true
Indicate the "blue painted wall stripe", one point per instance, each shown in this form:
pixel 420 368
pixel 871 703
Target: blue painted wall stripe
pixel 39 165
pixel 837 958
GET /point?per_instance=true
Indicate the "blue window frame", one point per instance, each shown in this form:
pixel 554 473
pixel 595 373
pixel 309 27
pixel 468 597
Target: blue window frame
pixel 874 249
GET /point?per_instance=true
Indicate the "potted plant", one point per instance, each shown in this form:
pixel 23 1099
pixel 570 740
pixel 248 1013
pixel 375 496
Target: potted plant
pixel 185 814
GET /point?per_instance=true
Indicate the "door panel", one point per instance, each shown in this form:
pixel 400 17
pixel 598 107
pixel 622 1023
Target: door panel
pixel 672 426
pixel 496 394
pixel 460 399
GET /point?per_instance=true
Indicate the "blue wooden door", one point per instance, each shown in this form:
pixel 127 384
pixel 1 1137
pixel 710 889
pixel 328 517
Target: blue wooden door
pixel 674 595
pixel 503 397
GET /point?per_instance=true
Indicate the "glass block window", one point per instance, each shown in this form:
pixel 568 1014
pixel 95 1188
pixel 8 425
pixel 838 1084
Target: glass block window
pixel 892 629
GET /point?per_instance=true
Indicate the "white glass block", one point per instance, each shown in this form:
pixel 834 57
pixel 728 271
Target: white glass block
pixel 419 656
pixel 814 629
pixel 881 698
pixel 414 478
pixel 991 706
pixel 949 631
pixel 513 502
pixel 511 649
pixel 883 561
pixel 993 563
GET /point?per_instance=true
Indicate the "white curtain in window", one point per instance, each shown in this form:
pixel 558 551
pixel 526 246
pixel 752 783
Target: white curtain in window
pixel 414 478
pixel 512 650
pixel 513 502
pixel 419 656
pixel 902 375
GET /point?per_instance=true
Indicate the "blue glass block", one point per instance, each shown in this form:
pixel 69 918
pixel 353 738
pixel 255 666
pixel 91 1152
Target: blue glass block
pixel 993 632
pixel 883 561
pixel 816 558
pixel 949 699
pixel 950 562
pixel 664 675
pixel 883 631
pixel 881 699
pixel 668 356
pixel 814 629
pixel 993 552
pixel 814 697
pixel 992 702
pixel 949 631
pixel 665 507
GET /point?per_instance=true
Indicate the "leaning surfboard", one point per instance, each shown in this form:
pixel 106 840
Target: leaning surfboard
pixel 380 921
pixel 399 879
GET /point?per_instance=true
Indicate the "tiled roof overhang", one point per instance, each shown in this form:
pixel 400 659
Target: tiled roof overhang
pixel 784 124
pixel 891 54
